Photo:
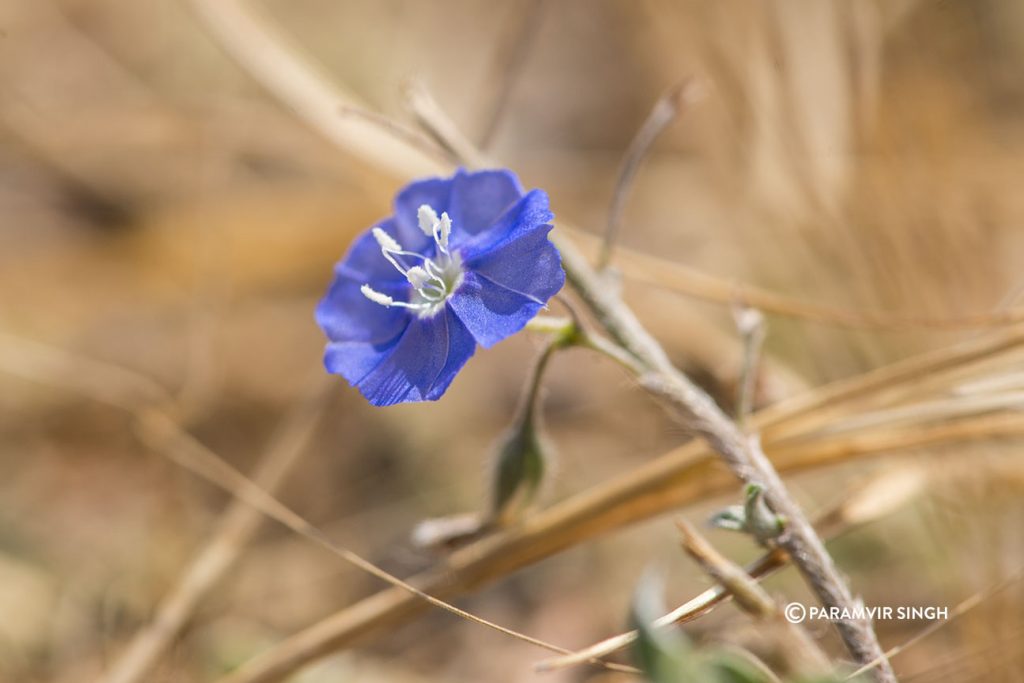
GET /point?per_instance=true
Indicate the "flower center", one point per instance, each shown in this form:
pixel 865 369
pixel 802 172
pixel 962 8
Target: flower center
pixel 432 280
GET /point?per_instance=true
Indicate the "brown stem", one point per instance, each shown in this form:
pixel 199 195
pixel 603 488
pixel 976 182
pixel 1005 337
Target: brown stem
pixel 744 456
pixel 668 107
pixel 800 654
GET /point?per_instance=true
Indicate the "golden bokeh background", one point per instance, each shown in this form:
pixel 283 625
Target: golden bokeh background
pixel 164 213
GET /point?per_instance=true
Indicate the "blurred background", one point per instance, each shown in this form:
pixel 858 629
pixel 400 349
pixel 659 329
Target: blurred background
pixel 161 212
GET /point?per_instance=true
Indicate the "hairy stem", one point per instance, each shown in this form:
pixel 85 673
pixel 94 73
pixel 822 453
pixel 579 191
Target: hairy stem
pixel 800 655
pixel 744 456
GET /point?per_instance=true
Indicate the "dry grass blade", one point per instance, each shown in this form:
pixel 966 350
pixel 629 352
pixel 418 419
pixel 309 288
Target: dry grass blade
pixel 867 503
pixel 429 115
pixel 751 326
pixel 958 611
pixel 738 583
pixel 680 477
pixel 233 531
pixel 111 385
pixel 413 137
pixel 929 411
pixel 800 412
pixel 164 436
pixel 666 110
pixel 675 277
pixel 305 89
pixel 509 64
pixel 800 655
pixel 157 429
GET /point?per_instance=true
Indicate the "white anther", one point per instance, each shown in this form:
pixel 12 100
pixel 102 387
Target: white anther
pixel 376 297
pixel 433 282
pixel 444 228
pixel 386 241
pixel 387 302
pixel 418 277
pixel 427 218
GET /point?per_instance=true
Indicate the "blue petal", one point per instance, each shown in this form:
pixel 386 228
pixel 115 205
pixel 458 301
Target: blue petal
pixel 528 265
pixel 474 201
pixel 479 199
pixel 345 314
pixel 418 366
pixel 354 360
pixel 525 216
pixel 461 345
pixel 490 311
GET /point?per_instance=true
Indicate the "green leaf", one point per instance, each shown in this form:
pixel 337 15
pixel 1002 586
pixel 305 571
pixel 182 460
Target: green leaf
pixel 731 668
pixel 664 655
pixel 732 518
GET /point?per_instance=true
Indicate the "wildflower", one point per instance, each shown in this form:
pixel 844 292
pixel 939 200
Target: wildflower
pixel 463 261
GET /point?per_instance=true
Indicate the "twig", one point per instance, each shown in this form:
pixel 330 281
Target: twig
pixel 750 324
pixel 302 88
pixel 432 118
pixel 614 351
pixel 584 337
pixel 510 62
pixel 741 586
pixel 668 107
pixel 801 654
pixel 233 532
pixel 743 455
pixel 867 503
pixel 414 137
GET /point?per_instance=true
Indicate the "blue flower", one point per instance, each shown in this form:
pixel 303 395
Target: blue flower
pixel 463 261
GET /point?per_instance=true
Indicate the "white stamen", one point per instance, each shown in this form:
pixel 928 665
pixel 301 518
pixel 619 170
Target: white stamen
pixel 432 281
pixel 386 301
pixel 428 219
pixel 444 227
pixel 376 297
pixel 386 241
pixel 435 272
pixel 418 277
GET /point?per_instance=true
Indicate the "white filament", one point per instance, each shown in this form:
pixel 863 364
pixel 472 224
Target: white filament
pixel 429 280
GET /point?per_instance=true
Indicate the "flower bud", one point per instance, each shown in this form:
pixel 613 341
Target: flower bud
pixel 518 469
